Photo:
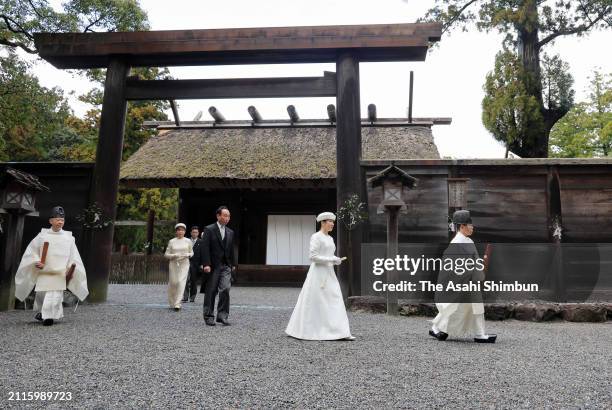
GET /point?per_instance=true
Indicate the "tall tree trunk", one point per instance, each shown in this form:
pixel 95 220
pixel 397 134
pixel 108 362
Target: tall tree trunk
pixel 529 53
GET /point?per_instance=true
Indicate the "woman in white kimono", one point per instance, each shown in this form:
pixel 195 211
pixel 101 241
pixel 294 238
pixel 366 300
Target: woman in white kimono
pixel 319 313
pixel 179 250
pixel 459 319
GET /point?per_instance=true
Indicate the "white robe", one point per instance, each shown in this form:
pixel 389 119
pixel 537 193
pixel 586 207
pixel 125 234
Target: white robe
pixel 50 281
pixel 460 319
pixel 320 313
pixel 178 251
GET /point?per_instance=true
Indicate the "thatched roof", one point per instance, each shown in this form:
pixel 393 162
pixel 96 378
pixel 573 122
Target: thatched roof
pixel 241 156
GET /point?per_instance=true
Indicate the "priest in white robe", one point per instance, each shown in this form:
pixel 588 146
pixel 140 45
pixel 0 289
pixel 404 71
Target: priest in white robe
pixel 462 319
pixel 49 278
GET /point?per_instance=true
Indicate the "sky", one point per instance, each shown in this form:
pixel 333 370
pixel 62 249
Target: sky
pixel 447 84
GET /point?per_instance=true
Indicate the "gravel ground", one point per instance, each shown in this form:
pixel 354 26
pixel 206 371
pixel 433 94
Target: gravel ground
pixel 133 352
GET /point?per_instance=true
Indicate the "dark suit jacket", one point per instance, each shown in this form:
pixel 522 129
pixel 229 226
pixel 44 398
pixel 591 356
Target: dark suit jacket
pixel 214 251
pixel 194 261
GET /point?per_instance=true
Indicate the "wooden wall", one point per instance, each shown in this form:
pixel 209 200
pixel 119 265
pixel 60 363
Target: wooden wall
pixel 70 186
pixel 510 200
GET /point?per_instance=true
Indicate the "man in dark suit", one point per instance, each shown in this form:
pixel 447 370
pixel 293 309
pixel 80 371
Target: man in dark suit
pixel 217 253
pixel 191 289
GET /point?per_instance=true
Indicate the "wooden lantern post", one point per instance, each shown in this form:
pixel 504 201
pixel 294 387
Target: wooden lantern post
pixel 18 200
pixel 393 181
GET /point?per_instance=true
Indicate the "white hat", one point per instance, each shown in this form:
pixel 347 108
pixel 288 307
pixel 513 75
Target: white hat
pixel 324 216
pixel 180 225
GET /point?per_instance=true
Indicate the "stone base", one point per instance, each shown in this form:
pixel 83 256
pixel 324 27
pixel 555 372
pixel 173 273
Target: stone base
pixel 528 311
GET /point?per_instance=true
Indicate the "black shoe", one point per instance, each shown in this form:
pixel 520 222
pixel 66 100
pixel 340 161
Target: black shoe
pixel 441 336
pixel 192 300
pixel 224 322
pixel 47 322
pixel 489 339
pixel 176 309
pixel 210 322
pixel 38 317
pixel 184 300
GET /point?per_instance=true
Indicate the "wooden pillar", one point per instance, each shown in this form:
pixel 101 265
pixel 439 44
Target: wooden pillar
pixel 106 176
pixel 348 172
pixel 182 205
pixel 150 230
pixel 10 261
pixel 555 229
pixel 392 248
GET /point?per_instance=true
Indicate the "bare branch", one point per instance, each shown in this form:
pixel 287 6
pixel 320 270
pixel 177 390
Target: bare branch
pixel 19 30
pixel 40 16
pixel 93 23
pixel 448 25
pixel 24 47
pixel 576 30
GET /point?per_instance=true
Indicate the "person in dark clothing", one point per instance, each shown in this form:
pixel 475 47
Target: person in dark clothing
pixel 217 253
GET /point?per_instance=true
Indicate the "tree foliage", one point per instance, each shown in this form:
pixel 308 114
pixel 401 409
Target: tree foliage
pixel 20 19
pixel 586 130
pixel 37 124
pixel 31 116
pixel 509 112
pixel 529 25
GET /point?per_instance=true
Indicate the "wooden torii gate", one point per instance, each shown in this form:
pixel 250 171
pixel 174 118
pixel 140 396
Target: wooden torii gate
pixel 118 52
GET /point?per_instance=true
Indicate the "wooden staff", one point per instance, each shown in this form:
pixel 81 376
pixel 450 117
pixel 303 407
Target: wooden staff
pixel 487 256
pixel 45 248
pixel 70 272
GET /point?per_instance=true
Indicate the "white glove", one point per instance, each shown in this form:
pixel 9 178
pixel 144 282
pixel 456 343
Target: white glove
pixel 337 260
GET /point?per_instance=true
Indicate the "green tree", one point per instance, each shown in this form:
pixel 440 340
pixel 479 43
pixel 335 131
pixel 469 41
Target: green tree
pixel 529 26
pixel 20 19
pixel 586 130
pixel 134 204
pixel 29 113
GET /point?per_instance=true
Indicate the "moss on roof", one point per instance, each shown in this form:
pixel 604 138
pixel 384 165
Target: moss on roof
pixel 266 153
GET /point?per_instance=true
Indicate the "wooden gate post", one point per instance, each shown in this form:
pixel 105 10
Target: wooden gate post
pixel 348 170
pixel 106 176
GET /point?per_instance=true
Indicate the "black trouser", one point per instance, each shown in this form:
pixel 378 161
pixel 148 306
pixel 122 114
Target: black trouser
pixel 219 282
pixel 191 287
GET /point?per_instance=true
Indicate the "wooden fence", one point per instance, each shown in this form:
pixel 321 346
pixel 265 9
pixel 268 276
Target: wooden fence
pixel 138 268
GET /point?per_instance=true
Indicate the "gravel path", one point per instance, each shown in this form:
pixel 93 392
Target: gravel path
pixel 133 352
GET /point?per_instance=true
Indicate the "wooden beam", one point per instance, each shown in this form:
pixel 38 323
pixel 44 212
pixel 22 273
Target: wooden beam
pixel 255 115
pixel 175 113
pixel 216 114
pixel 106 176
pixel 314 44
pixel 293 115
pixel 232 88
pixel 372 113
pixel 331 112
pixel 410 96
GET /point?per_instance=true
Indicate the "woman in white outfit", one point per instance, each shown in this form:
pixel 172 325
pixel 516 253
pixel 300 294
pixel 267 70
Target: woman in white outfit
pixel 179 250
pixel 319 313
pixel 459 319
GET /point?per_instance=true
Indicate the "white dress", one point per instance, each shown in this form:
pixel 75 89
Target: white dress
pixel 178 251
pixel 460 319
pixel 319 313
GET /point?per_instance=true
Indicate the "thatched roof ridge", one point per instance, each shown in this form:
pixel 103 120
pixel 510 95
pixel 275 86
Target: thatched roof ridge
pixel 292 153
